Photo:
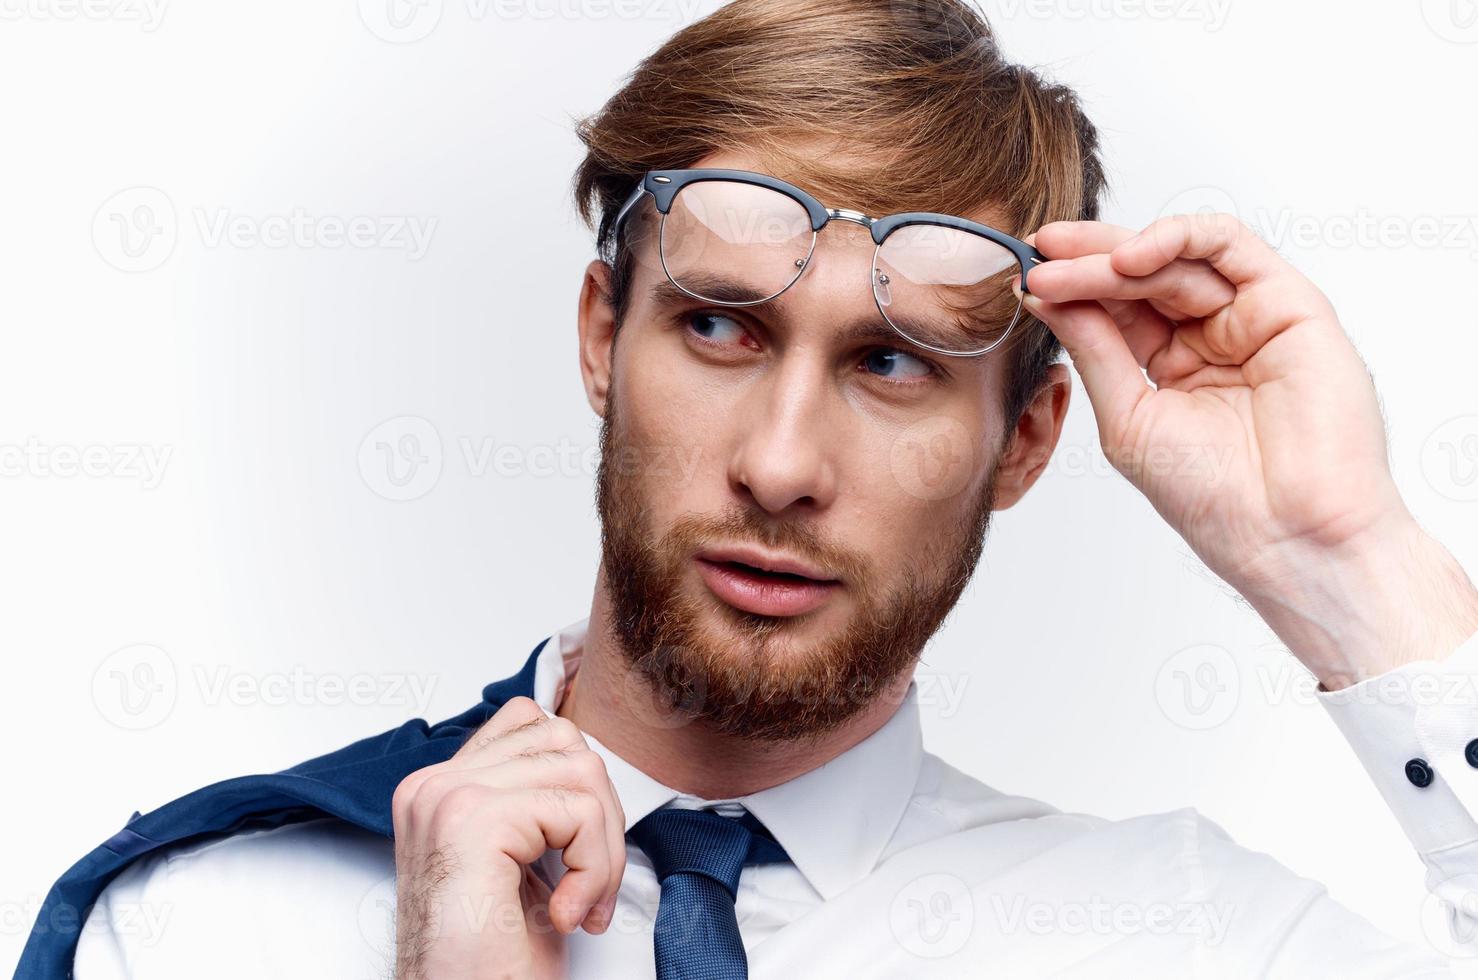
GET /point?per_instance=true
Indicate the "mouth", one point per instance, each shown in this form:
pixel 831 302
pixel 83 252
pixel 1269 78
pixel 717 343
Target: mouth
pixel 763 584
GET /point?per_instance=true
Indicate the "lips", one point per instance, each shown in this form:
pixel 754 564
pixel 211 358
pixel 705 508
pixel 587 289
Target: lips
pixel 765 584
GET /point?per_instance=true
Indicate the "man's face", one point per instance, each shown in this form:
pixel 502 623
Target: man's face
pixel 788 510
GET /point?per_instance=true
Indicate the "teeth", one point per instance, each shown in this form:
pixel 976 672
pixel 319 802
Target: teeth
pixel 760 570
pixel 773 572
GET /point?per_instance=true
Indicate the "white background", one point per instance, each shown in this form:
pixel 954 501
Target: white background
pixel 264 547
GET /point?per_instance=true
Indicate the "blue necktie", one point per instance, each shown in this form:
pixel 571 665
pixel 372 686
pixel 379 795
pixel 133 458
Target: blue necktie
pixel 697 855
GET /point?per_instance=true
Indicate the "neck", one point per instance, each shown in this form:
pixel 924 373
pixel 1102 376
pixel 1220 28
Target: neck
pixel 612 702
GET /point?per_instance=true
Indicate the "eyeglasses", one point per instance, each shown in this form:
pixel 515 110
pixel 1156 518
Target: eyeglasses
pixel 737 238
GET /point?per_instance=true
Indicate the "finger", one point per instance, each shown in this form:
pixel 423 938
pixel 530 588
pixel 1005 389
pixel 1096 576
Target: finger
pixel 600 917
pixel 1210 376
pixel 518 734
pixel 1192 287
pixel 490 826
pixel 575 824
pixel 565 768
pixel 1112 377
pixel 1145 330
pixel 1226 243
pixel 587 770
pixel 1168 352
pixel 1071 239
pixel 523 824
pixel 1186 355
pixel 515 713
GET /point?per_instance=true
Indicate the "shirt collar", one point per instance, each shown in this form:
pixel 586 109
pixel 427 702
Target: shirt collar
pixel 834 821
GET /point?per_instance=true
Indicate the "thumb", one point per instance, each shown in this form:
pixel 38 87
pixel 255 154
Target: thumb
pixel 1112 377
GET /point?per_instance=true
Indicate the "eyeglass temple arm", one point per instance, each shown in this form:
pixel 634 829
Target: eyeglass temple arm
pixel 1030 260
pixel 636 195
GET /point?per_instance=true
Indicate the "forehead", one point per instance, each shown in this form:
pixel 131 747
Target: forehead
pixel 839 179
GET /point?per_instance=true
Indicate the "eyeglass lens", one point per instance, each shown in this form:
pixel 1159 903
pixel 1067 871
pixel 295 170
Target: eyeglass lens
pixel 944 288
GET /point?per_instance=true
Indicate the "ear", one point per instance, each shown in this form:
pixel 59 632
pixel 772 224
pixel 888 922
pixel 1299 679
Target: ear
pixel 1033 439
pixel 597 334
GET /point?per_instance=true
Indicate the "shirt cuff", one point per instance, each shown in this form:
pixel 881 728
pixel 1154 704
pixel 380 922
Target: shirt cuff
pixel 1415 729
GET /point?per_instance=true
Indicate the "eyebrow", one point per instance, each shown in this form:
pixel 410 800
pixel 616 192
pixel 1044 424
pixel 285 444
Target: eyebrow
pixel 868 330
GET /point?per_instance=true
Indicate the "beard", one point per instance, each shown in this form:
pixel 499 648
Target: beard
pixel 748 680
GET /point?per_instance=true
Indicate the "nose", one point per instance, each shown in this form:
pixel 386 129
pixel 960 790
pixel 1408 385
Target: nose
pixel 783 460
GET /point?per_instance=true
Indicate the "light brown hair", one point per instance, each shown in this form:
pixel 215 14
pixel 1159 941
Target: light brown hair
pixel 878 105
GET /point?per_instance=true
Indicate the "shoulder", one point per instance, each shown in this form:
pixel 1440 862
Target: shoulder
pixel 313 898
pixel 946 801
pixel 1176 856
pixel 977 876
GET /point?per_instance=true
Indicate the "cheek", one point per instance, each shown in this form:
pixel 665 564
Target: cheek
pixel 670 427
pixel 934 460
pixel 909 485
pixel 922 477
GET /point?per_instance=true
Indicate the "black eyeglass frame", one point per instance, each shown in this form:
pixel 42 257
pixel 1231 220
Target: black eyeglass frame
pixel 663 186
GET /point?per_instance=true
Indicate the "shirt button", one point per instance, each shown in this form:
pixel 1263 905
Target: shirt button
pixel 1419 773
pixel 1472 753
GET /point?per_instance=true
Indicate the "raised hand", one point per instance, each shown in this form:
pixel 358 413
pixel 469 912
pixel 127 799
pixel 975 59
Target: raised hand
pixel 1226 390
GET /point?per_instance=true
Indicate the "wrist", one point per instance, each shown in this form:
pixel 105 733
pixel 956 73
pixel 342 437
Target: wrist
pixel 1390 596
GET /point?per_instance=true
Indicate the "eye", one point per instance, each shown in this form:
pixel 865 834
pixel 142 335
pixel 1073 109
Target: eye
pixel 716 328
pixel 890 362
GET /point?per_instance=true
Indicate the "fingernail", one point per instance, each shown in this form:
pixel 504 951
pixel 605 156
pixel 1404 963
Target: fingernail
pixel 600 916
pixel 1016 285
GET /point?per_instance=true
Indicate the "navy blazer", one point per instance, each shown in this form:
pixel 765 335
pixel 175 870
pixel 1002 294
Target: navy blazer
pixel 354 783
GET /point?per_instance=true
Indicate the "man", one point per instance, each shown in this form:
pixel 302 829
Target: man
pixel 720 771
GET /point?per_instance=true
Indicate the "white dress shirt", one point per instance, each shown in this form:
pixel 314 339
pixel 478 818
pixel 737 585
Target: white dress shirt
pixel 902 867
